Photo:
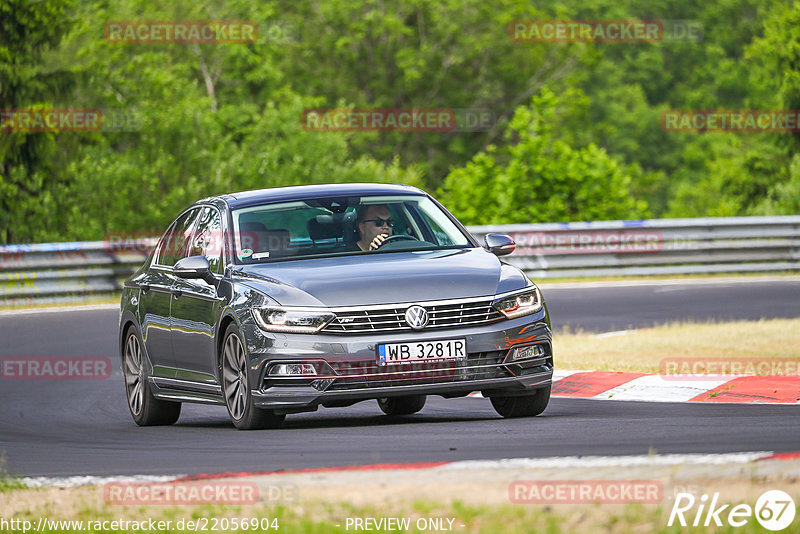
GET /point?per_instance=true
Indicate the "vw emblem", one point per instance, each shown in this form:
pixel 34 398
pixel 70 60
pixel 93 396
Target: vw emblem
pixel 417 317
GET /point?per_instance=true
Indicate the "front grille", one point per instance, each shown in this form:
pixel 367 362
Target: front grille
pixel 359 375
pixel 392 318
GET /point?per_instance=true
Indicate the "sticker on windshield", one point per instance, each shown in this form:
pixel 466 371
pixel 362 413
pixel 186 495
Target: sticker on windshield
pixel 259 255
pixel 245 253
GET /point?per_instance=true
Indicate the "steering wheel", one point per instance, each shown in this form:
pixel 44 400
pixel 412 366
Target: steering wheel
pixel 398 237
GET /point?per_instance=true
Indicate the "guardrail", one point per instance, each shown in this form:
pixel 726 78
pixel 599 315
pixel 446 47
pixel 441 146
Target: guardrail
pixel 66 272
pixel 654 246
pixel 59 272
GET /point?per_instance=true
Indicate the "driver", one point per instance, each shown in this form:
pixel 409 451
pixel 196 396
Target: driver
pixel 374 225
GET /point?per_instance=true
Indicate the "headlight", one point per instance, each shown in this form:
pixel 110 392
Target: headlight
pixel 295 320
pixel 520 304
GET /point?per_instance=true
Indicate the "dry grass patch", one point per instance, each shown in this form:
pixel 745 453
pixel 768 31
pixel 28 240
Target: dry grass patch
pixel 643 350
pixel 317 517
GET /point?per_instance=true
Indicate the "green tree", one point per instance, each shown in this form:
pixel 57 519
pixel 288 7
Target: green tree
pixel 215 118
pixel 209 120
pixel 453 54
pixel 27 186
pixel 539 178
pixel 755 174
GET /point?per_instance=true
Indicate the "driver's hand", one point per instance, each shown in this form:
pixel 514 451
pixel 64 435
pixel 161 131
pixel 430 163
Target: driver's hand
pixel 378 241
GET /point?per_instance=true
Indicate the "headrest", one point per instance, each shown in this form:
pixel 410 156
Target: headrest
pixel 252 235
pixel 324 227
pixel 278 240
pixel 252 226
pixel 255 236
pixel 350 231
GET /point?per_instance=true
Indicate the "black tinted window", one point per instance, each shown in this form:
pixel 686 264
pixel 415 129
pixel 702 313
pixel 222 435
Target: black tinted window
pixel 175 243
pixel 207 238
pixel 315 227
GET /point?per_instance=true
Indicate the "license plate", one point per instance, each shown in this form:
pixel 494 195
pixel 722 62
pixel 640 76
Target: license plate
pixel 422 351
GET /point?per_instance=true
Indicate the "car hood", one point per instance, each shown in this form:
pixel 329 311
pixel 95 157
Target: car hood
pixel 396 277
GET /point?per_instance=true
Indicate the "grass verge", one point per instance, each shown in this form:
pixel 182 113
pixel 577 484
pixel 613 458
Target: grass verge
pixel 7 482
pixel 458 517
pixel 643 350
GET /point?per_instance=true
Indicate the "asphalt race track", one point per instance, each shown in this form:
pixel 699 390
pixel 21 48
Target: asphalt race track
pixel 83 427
pixel 604 309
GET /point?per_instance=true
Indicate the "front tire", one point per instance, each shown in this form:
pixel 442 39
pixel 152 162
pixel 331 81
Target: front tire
pixel 144 407
pixel 526 406
pixel 402 405
pixel 236 387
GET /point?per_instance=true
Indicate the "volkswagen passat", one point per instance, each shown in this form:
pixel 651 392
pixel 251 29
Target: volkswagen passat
pixel 279 301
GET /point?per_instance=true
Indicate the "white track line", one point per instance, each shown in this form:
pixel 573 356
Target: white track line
pixel 511 463
pixel 615 333
pixel 559 374
pixel 655 388
pixel 60 309
pixel 68 482
pixel 611 461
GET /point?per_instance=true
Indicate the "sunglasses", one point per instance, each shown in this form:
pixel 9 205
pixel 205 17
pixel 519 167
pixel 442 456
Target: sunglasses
pixel 380 222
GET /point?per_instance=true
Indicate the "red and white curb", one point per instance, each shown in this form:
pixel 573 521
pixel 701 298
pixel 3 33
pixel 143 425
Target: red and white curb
pixel 608 385
pixel 558 462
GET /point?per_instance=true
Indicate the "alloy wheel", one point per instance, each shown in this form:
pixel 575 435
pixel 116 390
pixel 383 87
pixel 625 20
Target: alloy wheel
pixel 234 372
pixel 134 374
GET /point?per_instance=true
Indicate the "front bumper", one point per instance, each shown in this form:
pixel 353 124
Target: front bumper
pixel 300 398
pixel 351 372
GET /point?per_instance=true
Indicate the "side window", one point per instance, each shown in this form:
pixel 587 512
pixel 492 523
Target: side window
pixel 401 217
pixel 176 242
pixel 162 245
pixel 442 239
pixel 207 238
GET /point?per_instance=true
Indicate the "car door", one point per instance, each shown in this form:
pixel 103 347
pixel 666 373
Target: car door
pixel 155 297
pixel 196 305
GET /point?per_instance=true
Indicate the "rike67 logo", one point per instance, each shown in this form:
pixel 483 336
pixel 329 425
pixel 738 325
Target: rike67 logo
pixel 774 510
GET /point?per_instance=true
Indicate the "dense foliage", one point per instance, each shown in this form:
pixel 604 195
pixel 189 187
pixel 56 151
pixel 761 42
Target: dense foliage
pixel 577 132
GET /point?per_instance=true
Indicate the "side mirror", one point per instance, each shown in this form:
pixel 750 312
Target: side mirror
pixel 194 267
pixel 499 244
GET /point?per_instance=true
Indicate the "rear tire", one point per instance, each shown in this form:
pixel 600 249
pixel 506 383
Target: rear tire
pixel 236 386
pixel 402 405
pixel 144 407
pixel 526 406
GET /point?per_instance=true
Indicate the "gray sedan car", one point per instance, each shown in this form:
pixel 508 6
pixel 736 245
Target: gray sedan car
pixel 282 300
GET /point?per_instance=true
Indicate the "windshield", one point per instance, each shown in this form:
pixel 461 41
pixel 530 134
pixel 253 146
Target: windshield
pixel 344 225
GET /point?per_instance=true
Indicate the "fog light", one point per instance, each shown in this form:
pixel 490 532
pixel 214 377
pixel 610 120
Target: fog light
pixel 293 369
pixel 322 384
pixel 524 353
